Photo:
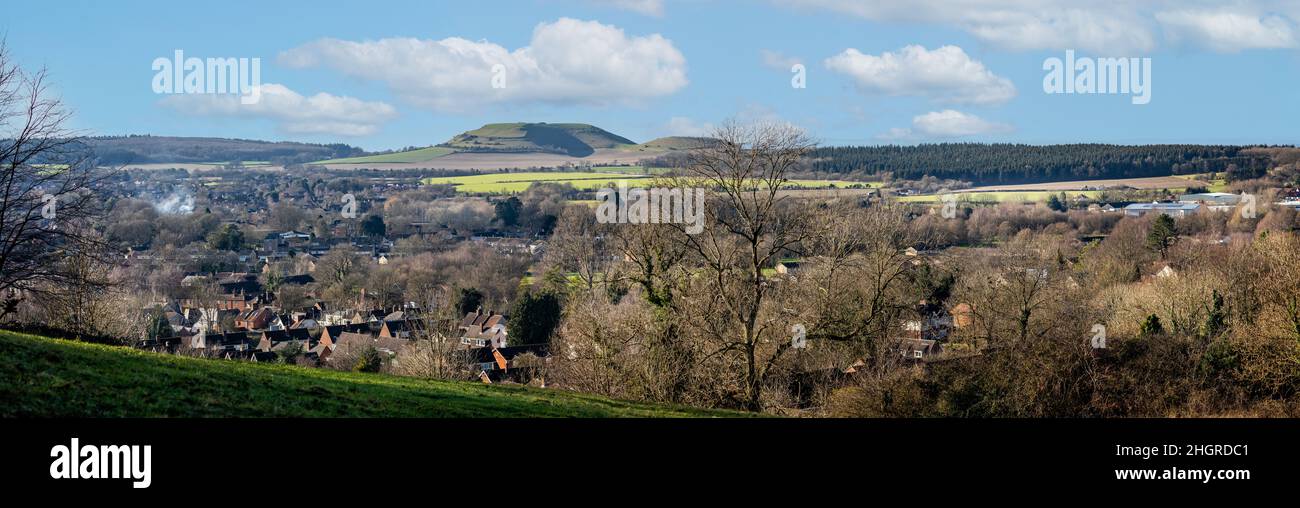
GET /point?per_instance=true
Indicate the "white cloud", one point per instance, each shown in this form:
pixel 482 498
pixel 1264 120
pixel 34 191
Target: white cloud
pixel 945 74
pixel 1099 25
pixel 322 113
pixel 945 124
pixel 778 61
pixel 647 7
pixel 1226 31
pixel 1105 27
pixel 568 62
pixel 683 126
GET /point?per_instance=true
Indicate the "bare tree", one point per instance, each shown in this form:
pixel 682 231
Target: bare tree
pixel 94 304
pixel 625 350
pixel 579 245
pixel 47 184
pixel 748 227
pixel 1281 257
pixel 855 290
pixel 435 351
pixel 1012 293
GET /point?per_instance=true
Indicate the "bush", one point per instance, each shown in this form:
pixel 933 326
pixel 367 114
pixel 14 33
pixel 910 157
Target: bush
pixel 1219 360
pixel 368 361
pixel 289 353
pixel 1151 326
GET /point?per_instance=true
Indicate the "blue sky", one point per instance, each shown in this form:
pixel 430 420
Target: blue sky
pixel 921 70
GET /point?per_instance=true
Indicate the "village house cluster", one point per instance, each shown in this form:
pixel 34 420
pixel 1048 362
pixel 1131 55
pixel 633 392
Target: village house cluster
pixel 228 302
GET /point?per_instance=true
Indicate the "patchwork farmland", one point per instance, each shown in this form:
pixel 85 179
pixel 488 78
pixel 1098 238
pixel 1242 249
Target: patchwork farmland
pixel 508 183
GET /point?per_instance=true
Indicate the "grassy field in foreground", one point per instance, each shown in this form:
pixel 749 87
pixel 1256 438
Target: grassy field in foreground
pixel 56 378
pixel 421 155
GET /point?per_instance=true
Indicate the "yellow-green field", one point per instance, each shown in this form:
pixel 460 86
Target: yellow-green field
pixel 1215 185
pixel 507 183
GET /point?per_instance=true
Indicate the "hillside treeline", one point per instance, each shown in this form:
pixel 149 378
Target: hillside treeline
pixel 1012 163
pixel 118 150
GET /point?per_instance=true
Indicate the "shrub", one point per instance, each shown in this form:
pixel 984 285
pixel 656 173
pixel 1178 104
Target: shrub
pixel 368 361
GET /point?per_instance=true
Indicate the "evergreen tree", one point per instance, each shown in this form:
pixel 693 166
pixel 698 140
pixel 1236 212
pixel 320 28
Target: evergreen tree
pixel 468 300
pixel 1151 326
pixel 1056 203
pixel 1215 321
pixel 1162 235
pixel 374 226
pixel 508 211
pixel 228 237
pixel 158 326
pixel 534 317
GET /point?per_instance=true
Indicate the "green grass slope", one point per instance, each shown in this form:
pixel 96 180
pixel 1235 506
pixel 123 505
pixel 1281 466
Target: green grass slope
pixel 56 378
pixel 420 155
pixel 573 139
pixel 675 143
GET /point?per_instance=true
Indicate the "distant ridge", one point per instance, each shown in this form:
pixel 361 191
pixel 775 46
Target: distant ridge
pixel 145 149
pixel 677 143
pixel 572 139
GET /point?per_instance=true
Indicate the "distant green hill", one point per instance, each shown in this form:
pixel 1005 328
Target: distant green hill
pixel 420 155
pixel 119 150
pixel 573 139
pixel 43 377
pixel 675 143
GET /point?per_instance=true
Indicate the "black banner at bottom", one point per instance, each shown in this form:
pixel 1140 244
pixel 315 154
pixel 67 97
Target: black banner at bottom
pixel 131 459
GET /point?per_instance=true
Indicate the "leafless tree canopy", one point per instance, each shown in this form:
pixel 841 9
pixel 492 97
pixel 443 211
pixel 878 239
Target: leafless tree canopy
pixel 706 322
pixel 47 184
